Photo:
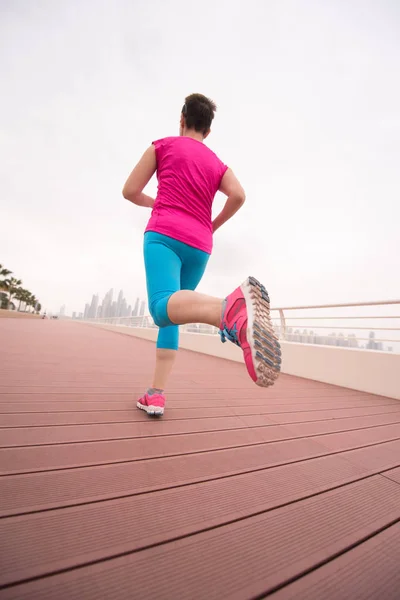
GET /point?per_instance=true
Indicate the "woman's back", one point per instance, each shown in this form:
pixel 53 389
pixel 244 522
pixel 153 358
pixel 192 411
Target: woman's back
pixel 189 175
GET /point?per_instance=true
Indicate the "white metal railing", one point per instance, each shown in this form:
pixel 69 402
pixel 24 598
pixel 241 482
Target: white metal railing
pixel 325 324
pixel 336 325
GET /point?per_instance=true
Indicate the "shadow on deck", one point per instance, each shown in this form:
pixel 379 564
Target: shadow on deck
pixel 238 492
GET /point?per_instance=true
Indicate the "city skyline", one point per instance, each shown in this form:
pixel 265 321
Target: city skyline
pixel 110 308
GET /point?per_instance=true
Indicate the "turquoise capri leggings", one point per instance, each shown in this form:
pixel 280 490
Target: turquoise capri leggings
pixel 170 266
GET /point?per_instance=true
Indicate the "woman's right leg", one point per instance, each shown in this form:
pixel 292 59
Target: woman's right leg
pixel 243 318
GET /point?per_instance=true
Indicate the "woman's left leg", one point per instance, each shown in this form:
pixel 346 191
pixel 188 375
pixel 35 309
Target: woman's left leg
pixel 170 265
pixel 163 277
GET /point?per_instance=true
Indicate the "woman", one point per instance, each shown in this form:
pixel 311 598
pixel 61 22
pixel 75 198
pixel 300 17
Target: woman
pixel 178 244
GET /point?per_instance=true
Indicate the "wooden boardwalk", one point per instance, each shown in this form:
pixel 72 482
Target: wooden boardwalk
pixel 238 492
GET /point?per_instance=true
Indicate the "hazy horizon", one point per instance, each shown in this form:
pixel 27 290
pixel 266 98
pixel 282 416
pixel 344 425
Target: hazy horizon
pixel 308 117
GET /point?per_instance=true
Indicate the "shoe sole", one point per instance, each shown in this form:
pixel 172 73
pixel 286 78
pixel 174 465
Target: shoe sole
pixel 261 337
pixel 156 411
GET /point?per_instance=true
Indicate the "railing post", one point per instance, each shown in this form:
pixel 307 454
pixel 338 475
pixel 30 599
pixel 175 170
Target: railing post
pixel 283 324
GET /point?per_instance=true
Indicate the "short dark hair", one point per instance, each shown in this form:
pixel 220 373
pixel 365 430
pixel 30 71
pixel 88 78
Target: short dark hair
pixel 198 111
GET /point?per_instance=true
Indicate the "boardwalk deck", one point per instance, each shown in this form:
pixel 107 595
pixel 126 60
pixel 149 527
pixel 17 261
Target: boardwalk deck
pixel 237 492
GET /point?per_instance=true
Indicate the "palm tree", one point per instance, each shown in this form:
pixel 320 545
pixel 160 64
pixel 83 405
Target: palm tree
pixel 20 295
pixel 32 302
pixel 5 281
pixel 5 285
pixel 38 307
pixel 3 300
pixel 4 272
pixel 27 297
pixel 13 285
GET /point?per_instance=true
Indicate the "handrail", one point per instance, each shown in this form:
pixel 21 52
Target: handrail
pixel 374 303
pixel 365 328
pixel 341 317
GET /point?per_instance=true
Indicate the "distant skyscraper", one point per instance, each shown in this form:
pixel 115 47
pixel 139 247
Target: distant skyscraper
pixel 80 316
pixel 86 313
pixel 98 315
pixel 111 302
pixel 93 307
pixel 62 311
pixel 106 304
pixel 120 304
pixel 74 315
pixel 136 309
pixel 142 308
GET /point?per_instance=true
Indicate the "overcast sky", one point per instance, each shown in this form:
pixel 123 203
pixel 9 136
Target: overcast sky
pixel 308 117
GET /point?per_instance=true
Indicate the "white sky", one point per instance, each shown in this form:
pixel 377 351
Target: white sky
pixel 308 117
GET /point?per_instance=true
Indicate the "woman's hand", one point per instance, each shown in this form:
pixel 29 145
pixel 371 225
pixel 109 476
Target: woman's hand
pixel 143 200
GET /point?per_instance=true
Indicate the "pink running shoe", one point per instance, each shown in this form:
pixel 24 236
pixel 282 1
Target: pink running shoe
pixel 153 405
pixel 247 323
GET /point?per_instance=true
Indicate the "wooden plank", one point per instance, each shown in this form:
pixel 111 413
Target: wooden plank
pixel 370 570
pixel 34 436
pixel 394 474
pixel 365 415
pixel 66 456
pixel 47 490
pixel 244 559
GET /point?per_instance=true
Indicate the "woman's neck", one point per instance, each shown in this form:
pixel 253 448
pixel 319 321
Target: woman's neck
pixel 192 133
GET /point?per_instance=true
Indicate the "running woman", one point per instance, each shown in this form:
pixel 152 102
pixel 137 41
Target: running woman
pixel 177 245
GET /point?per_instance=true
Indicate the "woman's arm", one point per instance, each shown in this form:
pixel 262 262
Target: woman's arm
pixel 139 178
pixel 231 187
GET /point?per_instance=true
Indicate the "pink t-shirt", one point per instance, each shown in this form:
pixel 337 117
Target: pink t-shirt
pixel 189 175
